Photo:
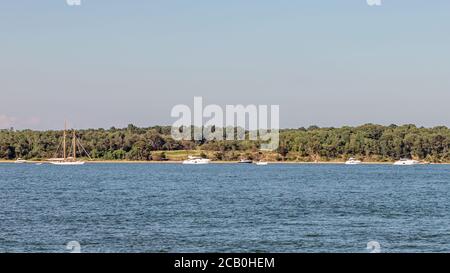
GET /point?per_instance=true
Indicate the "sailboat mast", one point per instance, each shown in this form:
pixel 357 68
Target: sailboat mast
pixel 64 140
pixel 74 145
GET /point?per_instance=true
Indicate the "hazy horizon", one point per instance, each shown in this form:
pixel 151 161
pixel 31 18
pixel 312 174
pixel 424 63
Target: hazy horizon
pixel 331 64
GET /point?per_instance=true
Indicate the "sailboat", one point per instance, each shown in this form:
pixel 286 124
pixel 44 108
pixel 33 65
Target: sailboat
pixel 69 160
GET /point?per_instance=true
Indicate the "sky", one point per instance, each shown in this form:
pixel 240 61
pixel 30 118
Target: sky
pixel 328 63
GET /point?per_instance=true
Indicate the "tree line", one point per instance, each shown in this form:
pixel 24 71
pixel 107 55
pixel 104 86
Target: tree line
pixel 368 142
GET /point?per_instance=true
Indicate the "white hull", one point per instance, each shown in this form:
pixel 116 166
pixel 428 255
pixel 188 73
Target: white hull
pixel 194 163
pixel 245 162
pixel 353 163
pixel 68 163
pixel 20 161
pixel 194 160
pixel 406 163
pixel 262 163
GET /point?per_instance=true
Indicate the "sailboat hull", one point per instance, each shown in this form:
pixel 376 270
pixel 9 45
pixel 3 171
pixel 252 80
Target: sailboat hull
pixel 77 163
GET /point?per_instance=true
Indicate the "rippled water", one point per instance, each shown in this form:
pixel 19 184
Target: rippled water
pixel 224 208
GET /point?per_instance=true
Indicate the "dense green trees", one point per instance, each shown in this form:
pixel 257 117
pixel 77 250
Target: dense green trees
pixel 370 142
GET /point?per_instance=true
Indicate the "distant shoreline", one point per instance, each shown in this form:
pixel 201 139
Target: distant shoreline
pixel 220 162
pixel 370 143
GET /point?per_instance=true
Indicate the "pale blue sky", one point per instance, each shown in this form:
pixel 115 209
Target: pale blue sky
pixel 330 62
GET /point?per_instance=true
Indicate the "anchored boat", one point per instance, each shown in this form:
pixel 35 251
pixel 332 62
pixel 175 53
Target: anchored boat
pixel 194 160
pixel 353 161
pixel 20 161
pixel 262 163
pixel 245 161
pixel 69 157
pixel 406 162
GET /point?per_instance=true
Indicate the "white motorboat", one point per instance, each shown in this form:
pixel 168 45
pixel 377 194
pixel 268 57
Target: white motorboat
pixel 353 161
pixel 194 160
pixel 406 162
pixel 262 163
pixel 246 161
pixel 20 161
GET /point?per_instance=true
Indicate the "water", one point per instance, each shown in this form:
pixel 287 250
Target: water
pixel 224 208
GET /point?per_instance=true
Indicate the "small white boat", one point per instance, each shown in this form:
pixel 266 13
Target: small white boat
pixel 194 160
pixel 353 161
pixel 20 161
pixel 262 163
pixel 406 162
pixel 246 161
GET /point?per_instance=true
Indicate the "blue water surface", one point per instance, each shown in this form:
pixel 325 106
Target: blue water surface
pixel 224 208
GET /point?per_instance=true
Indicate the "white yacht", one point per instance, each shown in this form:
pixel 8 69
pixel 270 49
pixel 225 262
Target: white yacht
pixel 262 163
pixel 406 162
pixel 20 161
pixel 246 161
pixel 69 160
pixel 194 160
pixel 353 161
